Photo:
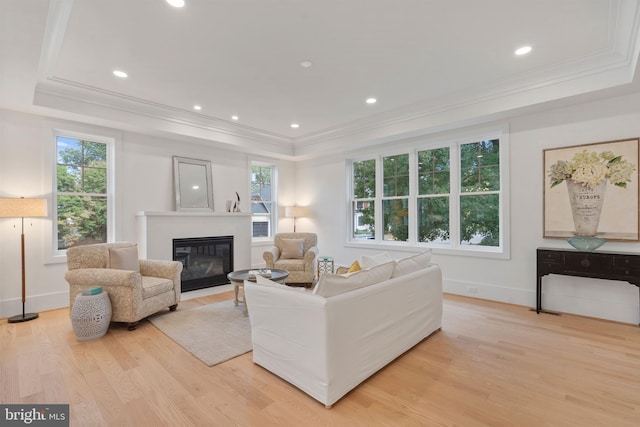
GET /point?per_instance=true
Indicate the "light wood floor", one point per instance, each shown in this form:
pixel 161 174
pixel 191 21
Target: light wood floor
pixel 491 365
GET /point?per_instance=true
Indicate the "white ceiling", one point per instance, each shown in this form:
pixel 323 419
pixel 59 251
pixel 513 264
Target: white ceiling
pixel 431 64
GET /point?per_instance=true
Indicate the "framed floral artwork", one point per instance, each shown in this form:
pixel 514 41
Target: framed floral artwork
pixel 591 190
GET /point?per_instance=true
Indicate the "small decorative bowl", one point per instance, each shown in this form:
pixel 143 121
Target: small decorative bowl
pixel 586 243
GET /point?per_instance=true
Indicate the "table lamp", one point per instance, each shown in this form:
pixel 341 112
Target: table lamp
pixel 23 208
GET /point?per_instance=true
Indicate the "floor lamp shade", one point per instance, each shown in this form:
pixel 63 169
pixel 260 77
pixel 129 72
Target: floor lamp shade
pixel 295 212
pixel 23 208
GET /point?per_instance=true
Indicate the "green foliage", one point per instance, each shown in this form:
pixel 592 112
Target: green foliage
pixel 479 217
pixel 396 219
pixel 396 175
pixel 82 187
pixel 364 179
pixel 433 219
pixel 260 178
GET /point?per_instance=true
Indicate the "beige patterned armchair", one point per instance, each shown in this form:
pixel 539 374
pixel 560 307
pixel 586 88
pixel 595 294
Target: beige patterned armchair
pixel 136 288
pixel 295 252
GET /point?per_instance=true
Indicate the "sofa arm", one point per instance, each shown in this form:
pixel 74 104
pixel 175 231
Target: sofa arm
pixel 271 255
pixel 158 268
pixel 102 277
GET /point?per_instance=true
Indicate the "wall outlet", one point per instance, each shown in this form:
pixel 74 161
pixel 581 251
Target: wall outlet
pixel 472 290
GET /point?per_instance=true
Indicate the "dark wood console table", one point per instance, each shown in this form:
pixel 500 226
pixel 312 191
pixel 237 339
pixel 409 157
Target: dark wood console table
pixel 598 265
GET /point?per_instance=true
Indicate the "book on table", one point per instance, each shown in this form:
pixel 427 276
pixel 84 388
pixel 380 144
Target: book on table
pixel 262 272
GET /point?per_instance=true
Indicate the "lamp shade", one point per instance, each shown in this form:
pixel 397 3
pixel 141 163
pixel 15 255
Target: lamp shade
pixel 22 208
pixel 296 212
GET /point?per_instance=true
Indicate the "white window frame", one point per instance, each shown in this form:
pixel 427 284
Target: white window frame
pixel 412 147
pixel 111 215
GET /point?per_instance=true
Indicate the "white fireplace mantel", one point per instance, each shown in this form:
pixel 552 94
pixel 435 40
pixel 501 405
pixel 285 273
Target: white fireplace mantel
pixel 156 231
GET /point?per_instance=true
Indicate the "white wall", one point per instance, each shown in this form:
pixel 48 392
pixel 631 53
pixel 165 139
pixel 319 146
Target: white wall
pixel 511 280
pixel 144 182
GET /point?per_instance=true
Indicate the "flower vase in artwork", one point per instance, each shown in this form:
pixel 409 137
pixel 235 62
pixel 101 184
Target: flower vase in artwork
pixel 586 206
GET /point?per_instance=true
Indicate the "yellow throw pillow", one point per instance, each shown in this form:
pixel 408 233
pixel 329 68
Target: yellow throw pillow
pixel 354 267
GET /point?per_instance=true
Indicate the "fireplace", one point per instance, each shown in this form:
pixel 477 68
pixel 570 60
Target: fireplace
pixel 206 261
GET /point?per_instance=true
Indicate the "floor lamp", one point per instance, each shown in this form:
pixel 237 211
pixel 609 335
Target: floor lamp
pixel 295 212
pixel 23 208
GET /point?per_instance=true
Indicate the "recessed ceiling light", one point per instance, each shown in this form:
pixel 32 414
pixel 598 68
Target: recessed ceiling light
pixel 197 107
pixel 523 50
pixel 371 100
pixel 119 73
pixel 234 117
pixel 295 125
pixel 176 3
pixel 306 64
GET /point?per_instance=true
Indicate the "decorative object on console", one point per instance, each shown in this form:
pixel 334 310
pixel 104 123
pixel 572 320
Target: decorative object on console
pixel 296 212
pixel 193 184
pixel 21 208
pixel 587 209
pixel 586 243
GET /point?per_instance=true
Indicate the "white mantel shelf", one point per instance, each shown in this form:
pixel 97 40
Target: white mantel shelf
pixel 156 231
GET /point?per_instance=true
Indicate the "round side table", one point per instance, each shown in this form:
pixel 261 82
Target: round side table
pixel 90 316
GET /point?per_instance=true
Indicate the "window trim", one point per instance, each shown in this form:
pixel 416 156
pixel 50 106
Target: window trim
pixel 412 146
pixel 110 142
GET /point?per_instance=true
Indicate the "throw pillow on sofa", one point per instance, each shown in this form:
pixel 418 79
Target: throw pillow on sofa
pixel 336 284
pixel 412 263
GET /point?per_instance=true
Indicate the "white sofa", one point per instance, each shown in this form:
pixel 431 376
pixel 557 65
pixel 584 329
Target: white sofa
pixel 327 345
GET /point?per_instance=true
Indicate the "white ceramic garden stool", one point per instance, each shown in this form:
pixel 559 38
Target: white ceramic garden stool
pixel 90 316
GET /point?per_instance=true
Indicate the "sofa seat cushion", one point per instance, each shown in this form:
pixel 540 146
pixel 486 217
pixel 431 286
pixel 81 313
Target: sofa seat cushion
pixel 153 286
pixel 290 264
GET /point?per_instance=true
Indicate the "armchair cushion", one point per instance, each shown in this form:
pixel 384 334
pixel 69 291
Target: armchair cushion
pixel 124 258
pixel 292 248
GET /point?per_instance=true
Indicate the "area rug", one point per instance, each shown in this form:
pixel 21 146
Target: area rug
pixel 213 333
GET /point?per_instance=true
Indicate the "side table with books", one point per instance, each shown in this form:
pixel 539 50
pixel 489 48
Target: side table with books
pixel 91 314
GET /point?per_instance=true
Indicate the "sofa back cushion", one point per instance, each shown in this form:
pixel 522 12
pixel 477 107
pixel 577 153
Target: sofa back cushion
pixel 372 261
pixel 412 263
pixel 336 284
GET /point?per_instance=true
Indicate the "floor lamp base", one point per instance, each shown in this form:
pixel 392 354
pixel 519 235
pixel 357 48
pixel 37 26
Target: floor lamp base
pixel 22 317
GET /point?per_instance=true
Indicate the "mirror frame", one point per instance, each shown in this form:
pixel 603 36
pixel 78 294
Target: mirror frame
pixel 204 179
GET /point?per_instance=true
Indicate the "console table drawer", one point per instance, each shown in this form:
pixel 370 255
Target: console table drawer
pixel 550 257
pixel 588 263
pixel 627 262
pixel 627 273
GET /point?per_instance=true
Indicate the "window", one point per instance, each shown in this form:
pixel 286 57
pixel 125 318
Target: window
pixel 447 196
pixel 263 200
pixel 82 191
